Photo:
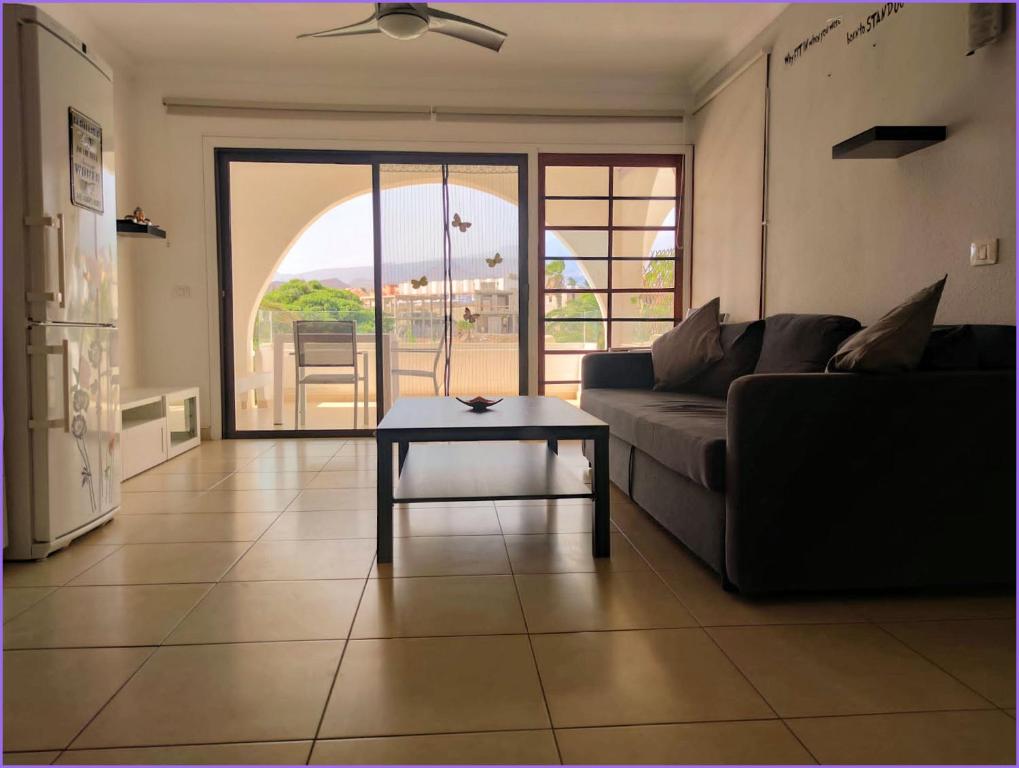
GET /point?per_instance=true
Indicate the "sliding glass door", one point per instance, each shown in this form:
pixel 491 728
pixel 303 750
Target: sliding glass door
pixel 450 274
pixel 610 260
pixel 349 280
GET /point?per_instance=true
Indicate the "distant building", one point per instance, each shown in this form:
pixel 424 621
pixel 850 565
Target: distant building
pixel 419 312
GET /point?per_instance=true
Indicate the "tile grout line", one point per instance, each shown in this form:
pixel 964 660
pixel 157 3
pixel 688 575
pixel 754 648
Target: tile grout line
pixel 530 644
pixel 889 713
pixel 504 730
pixel 863 620
pixel 148 658
pixel 935 664
pixel 715 642
pixel 350 630
pixel 339 664
pixel 99 711
pixel 652 568
pixel 155 649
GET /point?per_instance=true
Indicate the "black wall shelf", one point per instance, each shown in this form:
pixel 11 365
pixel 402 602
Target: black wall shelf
pixel 129 228
pixel 888 141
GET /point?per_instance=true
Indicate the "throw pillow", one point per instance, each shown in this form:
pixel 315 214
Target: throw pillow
pixel 802 343
pixel 686 350
pixel 741 346
pixel 895 342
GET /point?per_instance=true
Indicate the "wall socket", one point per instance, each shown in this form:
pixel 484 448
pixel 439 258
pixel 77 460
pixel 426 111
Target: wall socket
pixel 983 252
pixel 182 292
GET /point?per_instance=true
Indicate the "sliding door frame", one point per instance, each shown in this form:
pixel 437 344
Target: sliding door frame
pixel 223 156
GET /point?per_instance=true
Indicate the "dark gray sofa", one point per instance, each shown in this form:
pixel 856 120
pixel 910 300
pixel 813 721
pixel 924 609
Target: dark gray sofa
pixel 809 481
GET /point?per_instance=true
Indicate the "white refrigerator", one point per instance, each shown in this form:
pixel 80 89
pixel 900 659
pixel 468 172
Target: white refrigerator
pixel 61 377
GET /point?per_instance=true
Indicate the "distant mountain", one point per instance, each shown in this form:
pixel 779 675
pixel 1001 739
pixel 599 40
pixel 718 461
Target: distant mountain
pixel 338 277
pixel 328 282
pixel 464 268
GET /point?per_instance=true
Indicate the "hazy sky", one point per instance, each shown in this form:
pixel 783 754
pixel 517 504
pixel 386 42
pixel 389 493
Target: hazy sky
pixel 412 230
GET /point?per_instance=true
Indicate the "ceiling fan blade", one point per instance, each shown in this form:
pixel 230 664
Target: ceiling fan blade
pixel 367 27
pixel 464 29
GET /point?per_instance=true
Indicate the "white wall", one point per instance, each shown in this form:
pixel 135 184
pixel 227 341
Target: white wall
pixel 857 237
pixel 172 177
pixel 728 138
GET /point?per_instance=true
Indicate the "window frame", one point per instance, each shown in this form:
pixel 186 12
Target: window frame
pixel 611 161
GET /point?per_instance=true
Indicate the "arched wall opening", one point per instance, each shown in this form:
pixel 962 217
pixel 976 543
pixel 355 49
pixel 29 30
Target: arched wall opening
pixel 289 218
pixel 273 205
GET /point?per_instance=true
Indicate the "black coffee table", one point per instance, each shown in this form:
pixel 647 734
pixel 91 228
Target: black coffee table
pixel 449 453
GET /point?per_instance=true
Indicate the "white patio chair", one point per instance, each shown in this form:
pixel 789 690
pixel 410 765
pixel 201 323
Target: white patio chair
pixel 425 373
pixel 328 344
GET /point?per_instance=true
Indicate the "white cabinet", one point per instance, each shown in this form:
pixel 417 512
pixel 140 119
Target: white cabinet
pixel 157 424
pixel 144 446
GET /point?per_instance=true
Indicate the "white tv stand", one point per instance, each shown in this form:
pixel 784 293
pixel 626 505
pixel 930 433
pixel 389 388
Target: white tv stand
pixel 157 423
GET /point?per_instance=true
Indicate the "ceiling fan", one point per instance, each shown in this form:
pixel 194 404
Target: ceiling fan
pixel 405 21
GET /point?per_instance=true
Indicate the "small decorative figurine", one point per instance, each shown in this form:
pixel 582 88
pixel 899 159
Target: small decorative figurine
pixel 138 217
pixel 479 404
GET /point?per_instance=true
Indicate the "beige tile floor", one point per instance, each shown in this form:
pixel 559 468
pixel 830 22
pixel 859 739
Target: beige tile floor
pixel 233 613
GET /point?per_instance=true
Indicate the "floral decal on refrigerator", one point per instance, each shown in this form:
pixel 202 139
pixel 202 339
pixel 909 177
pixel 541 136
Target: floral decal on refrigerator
pixel 84 393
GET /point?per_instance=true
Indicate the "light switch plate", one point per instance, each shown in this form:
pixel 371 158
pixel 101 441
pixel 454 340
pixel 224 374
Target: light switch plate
pixel 983 252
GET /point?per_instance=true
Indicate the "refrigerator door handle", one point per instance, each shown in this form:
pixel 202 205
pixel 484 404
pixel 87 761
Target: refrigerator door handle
pixel 57 223
pixel 63 350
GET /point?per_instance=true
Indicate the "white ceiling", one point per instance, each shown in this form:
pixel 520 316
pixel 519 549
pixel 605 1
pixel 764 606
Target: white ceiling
pixel 653 47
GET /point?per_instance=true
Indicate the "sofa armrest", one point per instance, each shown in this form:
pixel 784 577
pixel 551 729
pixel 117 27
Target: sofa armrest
pixel 841 480
pixel 617 370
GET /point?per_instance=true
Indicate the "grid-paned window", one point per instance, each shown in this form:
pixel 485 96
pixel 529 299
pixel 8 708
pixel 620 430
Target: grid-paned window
pixel 611 254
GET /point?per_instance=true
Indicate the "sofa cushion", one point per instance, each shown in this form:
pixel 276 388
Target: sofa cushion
pixel 802 343
pixel 683 431
pixel 741 346
pixel 896 341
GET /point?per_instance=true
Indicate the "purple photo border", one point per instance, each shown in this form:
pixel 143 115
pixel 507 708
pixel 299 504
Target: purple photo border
pixel 797 2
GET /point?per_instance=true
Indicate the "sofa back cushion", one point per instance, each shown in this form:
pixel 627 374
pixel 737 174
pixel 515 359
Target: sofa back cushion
pixel 741 346
pixel 951 348
pixel 995 346
pixel 970 348
pixel 802 343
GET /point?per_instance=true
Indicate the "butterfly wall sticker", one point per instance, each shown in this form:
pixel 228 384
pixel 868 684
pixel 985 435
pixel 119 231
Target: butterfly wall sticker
pixel 460 224
pixel 492 262
pixel 421 282
pixel 469 316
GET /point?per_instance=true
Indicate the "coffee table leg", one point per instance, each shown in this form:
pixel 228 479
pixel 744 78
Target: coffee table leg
pixel 600 483
pixel 553 445
pixel 384 501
